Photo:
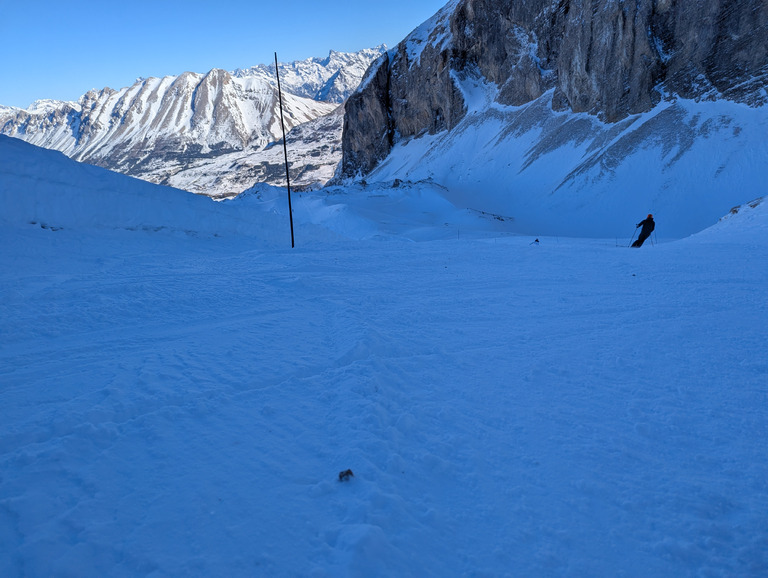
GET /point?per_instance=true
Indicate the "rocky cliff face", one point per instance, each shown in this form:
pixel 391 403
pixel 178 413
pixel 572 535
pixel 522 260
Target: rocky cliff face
pixel 609 58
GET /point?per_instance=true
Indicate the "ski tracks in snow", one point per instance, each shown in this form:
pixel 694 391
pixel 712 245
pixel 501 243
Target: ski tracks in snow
pixel 505 409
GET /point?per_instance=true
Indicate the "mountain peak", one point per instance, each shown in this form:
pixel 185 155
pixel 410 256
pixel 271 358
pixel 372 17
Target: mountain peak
pixel 330 79
pixel 160 127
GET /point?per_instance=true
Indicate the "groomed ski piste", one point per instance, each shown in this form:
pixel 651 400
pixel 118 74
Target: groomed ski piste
pixel 179 389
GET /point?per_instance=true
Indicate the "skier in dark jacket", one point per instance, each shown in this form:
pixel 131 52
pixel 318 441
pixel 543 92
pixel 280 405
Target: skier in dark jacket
pixel 647 228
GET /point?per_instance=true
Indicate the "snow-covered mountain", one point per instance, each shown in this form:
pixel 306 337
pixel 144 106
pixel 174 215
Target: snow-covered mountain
pixel 161 127
pixel 555 112
pixel 314 152
pixel 330 79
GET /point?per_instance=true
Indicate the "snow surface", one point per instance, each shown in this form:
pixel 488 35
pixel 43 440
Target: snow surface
pixel 686 162
pixel 179 390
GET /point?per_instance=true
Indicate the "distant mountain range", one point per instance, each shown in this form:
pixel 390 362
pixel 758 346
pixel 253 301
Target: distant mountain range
pixel 190 130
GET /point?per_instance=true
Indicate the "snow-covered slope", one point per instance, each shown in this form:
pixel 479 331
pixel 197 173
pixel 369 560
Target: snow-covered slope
pixel 46 189
pixel 563 173
pixel 179 390
pixel 160 127
pixel 745 225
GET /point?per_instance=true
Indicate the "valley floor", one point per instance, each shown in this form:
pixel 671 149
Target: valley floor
pixel 178 406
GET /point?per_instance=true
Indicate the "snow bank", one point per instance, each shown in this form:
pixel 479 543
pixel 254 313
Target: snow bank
pixel 47 189
pixel 748 222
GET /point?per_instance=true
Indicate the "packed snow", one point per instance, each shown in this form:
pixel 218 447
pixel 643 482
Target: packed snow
pixel 180 390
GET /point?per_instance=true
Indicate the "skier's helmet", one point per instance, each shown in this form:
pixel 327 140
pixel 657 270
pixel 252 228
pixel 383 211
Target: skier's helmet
pixel 650 216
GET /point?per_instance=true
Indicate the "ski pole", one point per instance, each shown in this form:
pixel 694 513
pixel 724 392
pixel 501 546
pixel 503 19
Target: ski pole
pixel 633 238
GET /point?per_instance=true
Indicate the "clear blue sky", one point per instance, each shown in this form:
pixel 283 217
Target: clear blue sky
pixel 60 50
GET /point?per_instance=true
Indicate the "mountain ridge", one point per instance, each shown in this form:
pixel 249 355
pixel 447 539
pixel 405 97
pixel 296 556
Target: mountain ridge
pixel 182 121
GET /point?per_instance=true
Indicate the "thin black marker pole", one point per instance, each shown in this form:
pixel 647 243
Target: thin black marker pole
pixel 285 149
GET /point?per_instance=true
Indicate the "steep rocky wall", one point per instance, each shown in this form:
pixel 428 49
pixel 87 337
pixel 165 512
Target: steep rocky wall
pixel 401 96
pixel 713 47
pixel 368 120
pixel 611 58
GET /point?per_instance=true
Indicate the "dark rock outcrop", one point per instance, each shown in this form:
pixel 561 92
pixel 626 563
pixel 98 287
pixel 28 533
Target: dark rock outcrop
pixel 610 58
pixel 368 114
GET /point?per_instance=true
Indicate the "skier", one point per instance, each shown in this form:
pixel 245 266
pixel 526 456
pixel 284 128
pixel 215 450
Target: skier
pixel 647 228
